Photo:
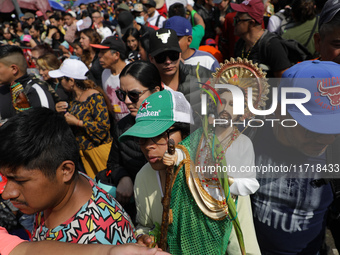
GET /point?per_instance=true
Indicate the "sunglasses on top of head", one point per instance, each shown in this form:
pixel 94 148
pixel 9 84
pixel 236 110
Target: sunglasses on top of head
pixel 133 95
pixel 161 57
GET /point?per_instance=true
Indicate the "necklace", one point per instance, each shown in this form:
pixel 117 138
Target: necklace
pixel 250 49
pixel 78 97
pixel 212 154
pixel 212 151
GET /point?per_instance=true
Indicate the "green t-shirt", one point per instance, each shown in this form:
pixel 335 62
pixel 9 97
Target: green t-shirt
pixel 197 35
pixel 301 34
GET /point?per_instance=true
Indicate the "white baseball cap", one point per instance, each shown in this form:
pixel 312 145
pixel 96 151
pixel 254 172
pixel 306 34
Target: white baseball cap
pixel 71 68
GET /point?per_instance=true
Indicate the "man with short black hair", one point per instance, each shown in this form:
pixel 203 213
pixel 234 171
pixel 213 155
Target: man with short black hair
pixel 112 55
pixel 165 54
pixel 71 27
pixel 18 90
pixel 39 156
pixel 326 43
pixel 190 56
pixel 97 20
pixel 155 19
pixel 58 22
pixel 198 26
pixel 329 29
pixel 291 206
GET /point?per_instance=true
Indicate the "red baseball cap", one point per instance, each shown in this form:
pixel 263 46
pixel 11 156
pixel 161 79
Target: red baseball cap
pixel 254 8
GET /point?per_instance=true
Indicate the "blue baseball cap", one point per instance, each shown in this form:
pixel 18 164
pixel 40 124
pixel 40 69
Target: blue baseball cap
pixel 181 25
pixel 322 79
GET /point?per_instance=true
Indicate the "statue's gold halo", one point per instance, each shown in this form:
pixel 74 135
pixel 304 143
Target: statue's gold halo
pixel 249 75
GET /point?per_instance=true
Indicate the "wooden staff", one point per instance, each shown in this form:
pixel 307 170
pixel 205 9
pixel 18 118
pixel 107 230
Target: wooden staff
pixel 166 199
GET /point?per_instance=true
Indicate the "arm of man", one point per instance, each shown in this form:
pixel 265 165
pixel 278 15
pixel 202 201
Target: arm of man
pixel 57 248
pixel 198 20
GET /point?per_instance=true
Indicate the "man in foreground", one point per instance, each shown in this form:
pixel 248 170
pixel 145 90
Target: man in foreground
pixel 39 155
pixel 291 206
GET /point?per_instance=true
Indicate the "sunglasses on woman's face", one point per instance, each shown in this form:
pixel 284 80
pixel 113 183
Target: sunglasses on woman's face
pixel 173 56
pixel 133 95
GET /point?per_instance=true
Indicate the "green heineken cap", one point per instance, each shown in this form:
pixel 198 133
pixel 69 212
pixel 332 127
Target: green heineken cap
pixel 159 112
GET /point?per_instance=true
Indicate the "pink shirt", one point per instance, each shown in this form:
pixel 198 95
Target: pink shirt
pixel 8 242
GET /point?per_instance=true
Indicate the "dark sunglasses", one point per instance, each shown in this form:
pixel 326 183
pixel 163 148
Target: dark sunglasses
pixel 161 139
pixel 173 56
pixel 237 20
pixel 133 95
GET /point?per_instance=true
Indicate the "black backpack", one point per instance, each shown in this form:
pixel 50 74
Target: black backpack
pixel 296 52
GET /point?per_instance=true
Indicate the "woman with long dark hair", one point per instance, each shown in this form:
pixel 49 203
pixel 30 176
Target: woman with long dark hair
pixel 126 158
pixel 131 39
pixel 88 113
pixel 90 56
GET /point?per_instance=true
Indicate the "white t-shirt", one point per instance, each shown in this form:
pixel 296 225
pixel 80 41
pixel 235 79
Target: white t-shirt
pixel 204 58
pixel 153 20
pixel 110 84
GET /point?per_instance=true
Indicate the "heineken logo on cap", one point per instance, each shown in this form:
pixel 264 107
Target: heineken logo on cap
pixel 147 114
pixel 144 112
pixel 145 105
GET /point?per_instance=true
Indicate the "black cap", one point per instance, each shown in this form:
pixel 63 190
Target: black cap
pixel 125 21
pixel 164 39
pixel 111 42
pixel 151 3
pixel 328 11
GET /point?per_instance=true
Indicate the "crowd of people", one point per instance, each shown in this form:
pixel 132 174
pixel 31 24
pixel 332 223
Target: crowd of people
pixel 105 140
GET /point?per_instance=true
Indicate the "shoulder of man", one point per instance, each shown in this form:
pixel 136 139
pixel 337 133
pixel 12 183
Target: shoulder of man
pixel 190 71
pixel 34 80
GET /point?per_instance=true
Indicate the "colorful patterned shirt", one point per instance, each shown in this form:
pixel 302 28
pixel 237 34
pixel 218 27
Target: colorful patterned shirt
pixel 101 220
pixel 95 116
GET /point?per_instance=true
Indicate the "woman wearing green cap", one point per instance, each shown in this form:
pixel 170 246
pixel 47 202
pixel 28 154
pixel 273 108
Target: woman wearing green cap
pixel 126 158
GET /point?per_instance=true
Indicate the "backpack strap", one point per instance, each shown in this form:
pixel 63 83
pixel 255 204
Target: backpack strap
pixel 157 21
pixel 263 44
pixel 313 30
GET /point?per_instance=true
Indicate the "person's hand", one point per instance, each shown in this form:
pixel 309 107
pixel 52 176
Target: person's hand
pixel 218 30
pixel 71 119
pixel 124 190
pixel 189 8
pixel 170 160
pixel 66 55
pixel 61 106
pixel 135 249
pixel 146 240
pixel 51 32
